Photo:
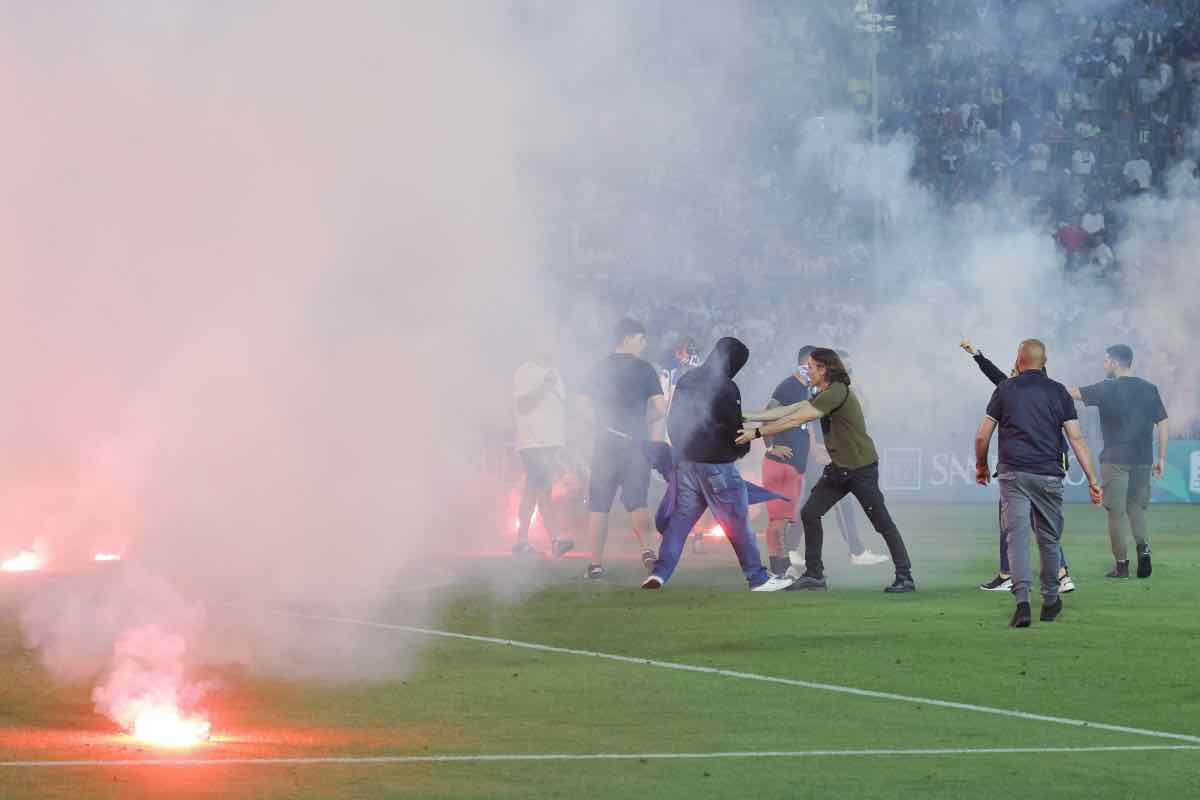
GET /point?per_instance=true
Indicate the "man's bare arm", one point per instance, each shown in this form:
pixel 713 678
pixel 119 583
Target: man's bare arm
pixel 799 414
pixel 772 413
pixel 1160 465
pixel 769 440
pixel 983 443
pixel 1083 454
pixel 656 408
pixel 530 400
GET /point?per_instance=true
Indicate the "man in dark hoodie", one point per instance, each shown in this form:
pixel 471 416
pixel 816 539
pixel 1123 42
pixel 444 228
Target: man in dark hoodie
pixel 705 416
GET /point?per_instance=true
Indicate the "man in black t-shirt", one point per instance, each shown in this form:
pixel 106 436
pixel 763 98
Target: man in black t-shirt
pixel 625 397
pixel 1130 412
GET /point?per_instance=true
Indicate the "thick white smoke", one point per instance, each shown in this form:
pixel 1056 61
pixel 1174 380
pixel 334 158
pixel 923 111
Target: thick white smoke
pixel 262 266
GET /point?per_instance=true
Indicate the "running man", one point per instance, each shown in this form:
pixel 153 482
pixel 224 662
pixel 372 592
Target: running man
pixel 623 398
pixel 853 467
pixel 1131 410
pixel 703 423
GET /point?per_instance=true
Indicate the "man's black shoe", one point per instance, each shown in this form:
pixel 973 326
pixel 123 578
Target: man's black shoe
pixel 1121 570
pixel 1021 617
pixel 902 585
pixel 1144 568
pixel 808 583
pixel 562 546
pixel 1051 612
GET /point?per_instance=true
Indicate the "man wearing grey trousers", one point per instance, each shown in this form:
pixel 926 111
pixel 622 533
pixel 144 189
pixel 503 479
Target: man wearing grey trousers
pixel 1031 411
pixel 1131 411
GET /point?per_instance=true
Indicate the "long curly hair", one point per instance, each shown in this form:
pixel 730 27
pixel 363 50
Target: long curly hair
pixel 835 370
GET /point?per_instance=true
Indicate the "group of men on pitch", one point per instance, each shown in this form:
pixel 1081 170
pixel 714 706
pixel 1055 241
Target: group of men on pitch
pixel 708 432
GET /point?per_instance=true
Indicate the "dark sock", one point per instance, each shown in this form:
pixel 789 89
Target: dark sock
pixel 778 565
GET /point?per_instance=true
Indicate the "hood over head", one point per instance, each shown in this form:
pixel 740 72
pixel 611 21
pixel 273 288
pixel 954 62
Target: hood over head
pixel 727 358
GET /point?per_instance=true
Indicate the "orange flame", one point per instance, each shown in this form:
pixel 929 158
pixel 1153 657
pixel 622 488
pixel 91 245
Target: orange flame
pixel 717 530
pixel 25 561
pixel 165 727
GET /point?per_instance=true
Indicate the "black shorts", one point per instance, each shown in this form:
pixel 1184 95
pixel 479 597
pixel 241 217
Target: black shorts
pixel 542 466
pixel 618 463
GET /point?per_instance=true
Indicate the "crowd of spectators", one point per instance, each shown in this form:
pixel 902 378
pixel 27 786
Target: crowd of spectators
pixel 1075 105
pixel 1070 106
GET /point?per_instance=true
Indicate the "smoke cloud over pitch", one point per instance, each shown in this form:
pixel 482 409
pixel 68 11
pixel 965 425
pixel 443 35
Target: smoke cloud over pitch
pixel 267 269
pixel 257 260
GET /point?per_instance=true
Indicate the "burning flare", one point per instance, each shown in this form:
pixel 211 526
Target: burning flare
pixel 25 561
pixel 147 691
pixel 163 725
pixel 107 557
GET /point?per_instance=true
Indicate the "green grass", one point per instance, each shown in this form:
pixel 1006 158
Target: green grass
pixel 1124 652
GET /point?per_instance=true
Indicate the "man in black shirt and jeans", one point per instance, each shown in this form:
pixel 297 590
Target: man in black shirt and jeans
pixel 1031 412
pixel 626 397
pixel 1130 411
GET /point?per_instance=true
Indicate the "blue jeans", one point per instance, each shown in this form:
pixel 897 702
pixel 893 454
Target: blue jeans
pixel 1004 564
pixel 720 488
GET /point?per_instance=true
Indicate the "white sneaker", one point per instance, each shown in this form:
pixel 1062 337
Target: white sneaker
pixel 866 558
pixel 1065 584
pixel 653 582
pixel 773 585
pixel 794 571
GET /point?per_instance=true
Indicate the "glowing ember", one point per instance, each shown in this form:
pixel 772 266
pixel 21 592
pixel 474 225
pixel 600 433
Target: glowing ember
pixel 26 561
pixel 163 726
pixel 717 530
pixel 107 557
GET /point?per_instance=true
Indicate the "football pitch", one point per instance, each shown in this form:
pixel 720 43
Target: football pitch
pixel 597 689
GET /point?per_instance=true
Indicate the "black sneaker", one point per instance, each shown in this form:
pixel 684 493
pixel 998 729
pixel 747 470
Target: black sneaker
pixel 902 585
pixel 808 583
pixel 1121 570
pixel 1021 617
pixel 1144 568
pixel 524 550
pixel 595 571
pixel 1051 612
pixel 1000 583
pixel 648 559
pixel 562 546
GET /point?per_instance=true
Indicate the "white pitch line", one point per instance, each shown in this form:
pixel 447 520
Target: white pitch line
pixel 503 757
pixel 751 676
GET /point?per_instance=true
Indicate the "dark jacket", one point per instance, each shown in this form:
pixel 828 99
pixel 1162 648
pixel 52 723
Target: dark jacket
pixel 706 410
pixel 990 370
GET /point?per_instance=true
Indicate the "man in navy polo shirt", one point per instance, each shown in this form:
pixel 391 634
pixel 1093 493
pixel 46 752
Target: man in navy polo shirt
pixel 1031 410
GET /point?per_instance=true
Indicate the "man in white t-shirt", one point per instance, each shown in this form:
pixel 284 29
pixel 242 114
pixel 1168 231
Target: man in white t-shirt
pixel 1138 171
pixel 540 399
